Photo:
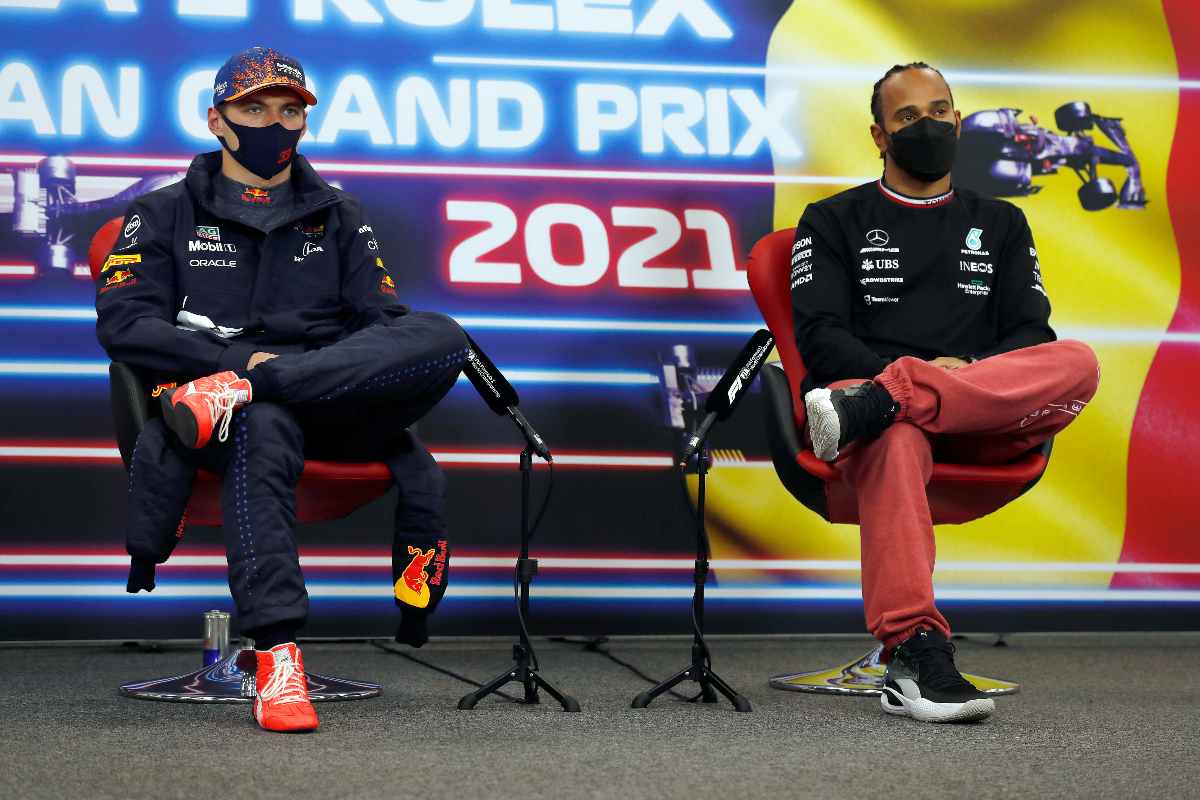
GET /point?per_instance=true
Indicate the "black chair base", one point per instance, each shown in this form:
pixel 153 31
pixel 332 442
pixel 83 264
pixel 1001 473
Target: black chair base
pixel 225 682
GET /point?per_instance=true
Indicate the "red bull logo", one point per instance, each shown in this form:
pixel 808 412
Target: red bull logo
pixel 253 194
pixel 117 280
pixel 157 391
pixel 121 277
pixel 439 563
pixel 387 285
pixel 411 588
pixel 182 527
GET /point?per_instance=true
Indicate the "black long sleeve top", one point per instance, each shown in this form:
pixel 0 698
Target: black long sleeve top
pixel 876 275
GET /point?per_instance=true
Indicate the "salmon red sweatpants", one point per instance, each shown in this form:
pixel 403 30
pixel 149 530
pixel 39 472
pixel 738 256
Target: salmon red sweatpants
pixel 990 412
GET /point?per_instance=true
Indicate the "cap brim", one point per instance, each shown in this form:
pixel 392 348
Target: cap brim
pixel 305 94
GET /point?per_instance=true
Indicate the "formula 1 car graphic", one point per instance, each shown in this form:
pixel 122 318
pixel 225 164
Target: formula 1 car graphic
pixel 55 212
pixel 999 155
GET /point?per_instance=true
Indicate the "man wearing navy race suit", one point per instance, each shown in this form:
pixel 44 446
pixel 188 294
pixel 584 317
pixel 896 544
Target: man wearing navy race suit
pixel 266 293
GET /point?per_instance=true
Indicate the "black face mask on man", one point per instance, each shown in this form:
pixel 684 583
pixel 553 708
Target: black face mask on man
pixel 924 149
pixel 264 151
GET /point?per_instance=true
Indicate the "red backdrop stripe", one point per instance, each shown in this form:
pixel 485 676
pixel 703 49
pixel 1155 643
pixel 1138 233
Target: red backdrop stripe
pixel 1164 502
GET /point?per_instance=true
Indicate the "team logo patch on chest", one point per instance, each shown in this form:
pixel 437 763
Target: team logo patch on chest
pixel 308 249
pixel 878 239
pixel 256 196
pixel 973 243
pixel 210 232
pixel 975 288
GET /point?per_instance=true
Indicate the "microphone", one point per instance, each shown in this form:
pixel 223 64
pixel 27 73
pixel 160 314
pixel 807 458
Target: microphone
pixel 729 390
pixel 500 395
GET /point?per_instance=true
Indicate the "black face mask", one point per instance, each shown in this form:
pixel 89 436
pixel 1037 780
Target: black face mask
pixel 264 151
pixel 924 149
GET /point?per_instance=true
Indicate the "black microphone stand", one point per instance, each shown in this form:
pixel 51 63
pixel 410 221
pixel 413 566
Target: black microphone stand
pixel 700 670
pixel 525 666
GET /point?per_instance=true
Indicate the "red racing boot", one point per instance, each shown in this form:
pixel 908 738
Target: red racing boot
pixel 281 703
pixel 195 409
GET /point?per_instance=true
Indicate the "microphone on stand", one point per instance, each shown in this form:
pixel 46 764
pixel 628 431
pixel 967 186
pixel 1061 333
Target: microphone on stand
pixel 500 395
pixel 502 398
pixel 729 390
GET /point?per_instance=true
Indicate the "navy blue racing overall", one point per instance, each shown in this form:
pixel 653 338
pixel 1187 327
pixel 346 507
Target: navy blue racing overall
pixel 189 290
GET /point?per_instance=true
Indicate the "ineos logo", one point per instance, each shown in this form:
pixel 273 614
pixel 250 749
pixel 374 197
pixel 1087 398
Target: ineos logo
pixel 878 237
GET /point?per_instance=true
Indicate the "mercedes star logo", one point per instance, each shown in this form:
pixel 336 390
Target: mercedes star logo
pixel 877 237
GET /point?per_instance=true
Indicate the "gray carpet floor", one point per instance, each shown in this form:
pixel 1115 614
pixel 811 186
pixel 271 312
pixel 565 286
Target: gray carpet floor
pixel 1099 716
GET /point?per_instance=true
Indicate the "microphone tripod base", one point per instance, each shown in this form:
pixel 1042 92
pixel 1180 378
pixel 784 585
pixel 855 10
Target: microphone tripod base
pixel 522 672
pixel 710 684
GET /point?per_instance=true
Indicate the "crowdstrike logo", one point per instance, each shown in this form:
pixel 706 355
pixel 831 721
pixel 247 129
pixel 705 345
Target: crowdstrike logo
pixel 878 237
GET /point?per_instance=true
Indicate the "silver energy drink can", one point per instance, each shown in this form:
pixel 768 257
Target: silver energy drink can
pixel 216 636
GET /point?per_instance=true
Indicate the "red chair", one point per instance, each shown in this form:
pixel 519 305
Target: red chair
pixel 328 490
pixel 957 492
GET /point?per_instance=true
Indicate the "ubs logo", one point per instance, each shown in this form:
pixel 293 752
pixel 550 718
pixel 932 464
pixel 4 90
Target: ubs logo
pixel 878 237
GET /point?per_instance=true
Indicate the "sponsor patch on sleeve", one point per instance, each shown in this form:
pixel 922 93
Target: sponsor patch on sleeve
pixel 133 228
pixel 116 260
pixel 118 279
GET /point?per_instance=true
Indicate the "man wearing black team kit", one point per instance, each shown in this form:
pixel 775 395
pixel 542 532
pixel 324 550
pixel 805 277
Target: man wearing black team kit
pixel 266 290
pixel 924 323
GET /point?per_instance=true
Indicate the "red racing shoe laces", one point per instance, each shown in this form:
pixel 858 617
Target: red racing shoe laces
pixel 281 703
pixel 195 409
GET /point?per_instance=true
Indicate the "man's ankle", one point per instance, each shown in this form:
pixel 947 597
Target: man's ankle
pixel 273 635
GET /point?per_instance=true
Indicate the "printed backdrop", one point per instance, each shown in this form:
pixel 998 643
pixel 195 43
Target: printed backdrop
pixel 578 182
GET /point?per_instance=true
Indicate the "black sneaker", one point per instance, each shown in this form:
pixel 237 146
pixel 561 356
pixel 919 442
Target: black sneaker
pixel 923 683
pixel 837 417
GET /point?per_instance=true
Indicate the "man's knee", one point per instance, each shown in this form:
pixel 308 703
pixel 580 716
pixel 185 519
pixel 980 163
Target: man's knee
pixel 1080 362
pixel 443 332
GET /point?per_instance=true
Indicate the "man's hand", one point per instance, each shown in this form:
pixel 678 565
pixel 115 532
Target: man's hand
pixel 949 362
pixel 259 358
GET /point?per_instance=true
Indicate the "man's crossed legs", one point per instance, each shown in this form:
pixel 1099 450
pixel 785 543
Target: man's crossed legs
pixel 991 412
pixel 352 400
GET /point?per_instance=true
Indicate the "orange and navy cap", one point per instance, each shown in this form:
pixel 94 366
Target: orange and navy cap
pixel 259 68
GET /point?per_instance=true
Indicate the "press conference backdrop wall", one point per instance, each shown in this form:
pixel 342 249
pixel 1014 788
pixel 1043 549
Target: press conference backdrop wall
pixel 578 183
